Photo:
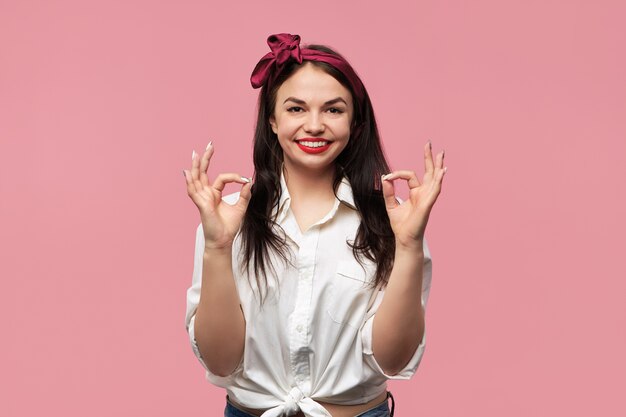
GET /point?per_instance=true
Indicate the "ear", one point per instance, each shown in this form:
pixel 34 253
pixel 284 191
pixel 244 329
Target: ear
pixel 273 124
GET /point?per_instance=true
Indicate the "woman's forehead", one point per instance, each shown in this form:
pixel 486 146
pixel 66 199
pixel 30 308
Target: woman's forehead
pixel 310 83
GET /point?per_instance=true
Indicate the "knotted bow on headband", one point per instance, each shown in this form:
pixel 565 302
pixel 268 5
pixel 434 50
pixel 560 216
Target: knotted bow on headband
pixel 285 47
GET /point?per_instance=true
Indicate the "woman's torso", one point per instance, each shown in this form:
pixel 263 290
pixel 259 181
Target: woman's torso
pixel 316 318
pixel 313 313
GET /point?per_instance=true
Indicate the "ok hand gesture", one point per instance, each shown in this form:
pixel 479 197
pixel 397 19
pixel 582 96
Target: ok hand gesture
pixel 220 220
pixel 408 220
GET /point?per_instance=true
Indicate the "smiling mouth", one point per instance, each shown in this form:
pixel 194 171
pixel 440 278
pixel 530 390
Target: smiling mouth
pixel 313 143
pixel 313 146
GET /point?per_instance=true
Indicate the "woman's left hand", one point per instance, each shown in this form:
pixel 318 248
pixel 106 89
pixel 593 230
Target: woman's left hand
pixel 408 220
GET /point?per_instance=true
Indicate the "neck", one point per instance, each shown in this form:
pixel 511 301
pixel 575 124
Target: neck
pixel 309 185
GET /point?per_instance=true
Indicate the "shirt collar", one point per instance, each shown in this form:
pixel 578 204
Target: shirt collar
pixel 344 194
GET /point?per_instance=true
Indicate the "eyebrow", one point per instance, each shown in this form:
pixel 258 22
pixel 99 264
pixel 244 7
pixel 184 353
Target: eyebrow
pixel 298 101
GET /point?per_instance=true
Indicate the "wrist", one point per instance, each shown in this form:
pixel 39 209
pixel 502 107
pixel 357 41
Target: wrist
pixel 218 250
pixel 412 246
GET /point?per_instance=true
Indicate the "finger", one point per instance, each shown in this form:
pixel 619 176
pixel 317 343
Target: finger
pixel 436 187
pixel 191 186
pixel 442 173
pixel 191 189
pixel 439 177
pixel 428 158
pixel 195 170
pixel 410 176
pixel 439 160
pixel 222 179
pixel 389 194
pixel 244 196
pixel 204 164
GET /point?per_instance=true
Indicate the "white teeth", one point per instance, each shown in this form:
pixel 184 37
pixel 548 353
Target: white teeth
pixel 313 144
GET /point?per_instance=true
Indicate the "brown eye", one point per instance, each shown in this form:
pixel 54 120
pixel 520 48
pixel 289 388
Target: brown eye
pixel 293 109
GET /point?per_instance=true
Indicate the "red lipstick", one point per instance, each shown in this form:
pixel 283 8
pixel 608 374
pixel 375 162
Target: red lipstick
pixel 310 149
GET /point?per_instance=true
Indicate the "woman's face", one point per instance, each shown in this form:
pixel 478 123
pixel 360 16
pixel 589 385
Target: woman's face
pixel 312 118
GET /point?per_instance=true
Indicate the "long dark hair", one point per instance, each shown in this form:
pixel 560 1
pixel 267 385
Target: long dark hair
pixel 362 162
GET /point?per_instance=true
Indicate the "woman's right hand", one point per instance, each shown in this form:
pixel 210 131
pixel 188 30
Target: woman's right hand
pixel 220 220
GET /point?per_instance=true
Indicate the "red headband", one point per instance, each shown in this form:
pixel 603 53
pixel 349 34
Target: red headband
pixel 285 47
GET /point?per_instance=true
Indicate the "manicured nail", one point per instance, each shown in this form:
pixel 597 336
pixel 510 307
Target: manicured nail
pixel 386 176
pixel 209 145
pixel 445 169
pixel 245 179
pixel 193 154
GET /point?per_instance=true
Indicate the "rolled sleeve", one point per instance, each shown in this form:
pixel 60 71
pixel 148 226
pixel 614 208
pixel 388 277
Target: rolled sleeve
pixel 366 332
pixel 193 293
pixel 194 344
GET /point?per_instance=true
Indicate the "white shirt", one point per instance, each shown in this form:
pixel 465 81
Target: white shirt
pixel 313 341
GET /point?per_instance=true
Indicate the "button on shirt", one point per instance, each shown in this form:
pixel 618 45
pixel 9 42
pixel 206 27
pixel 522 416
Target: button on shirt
pixel 312 338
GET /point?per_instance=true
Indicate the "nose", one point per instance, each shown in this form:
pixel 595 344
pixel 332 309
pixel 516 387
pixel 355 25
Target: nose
pixel 314 124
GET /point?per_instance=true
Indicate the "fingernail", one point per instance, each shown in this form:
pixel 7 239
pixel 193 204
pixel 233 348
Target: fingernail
pixel 443 153
pixel 246 179
pixel 209 145
pixel 430 145
pixel 445 169
pixel 193 154
pixel 386 176
pixel 184 175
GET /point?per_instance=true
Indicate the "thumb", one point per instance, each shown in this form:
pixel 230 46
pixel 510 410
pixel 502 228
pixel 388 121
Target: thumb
pixel 389 194
pixel 244 196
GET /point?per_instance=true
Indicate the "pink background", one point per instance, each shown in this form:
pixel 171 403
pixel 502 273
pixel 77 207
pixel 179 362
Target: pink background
pixel 101 104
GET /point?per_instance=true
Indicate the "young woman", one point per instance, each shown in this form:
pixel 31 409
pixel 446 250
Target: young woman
pixel 310 285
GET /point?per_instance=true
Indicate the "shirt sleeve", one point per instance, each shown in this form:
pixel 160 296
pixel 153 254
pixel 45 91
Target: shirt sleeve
pixel 366 332
pixel 193 293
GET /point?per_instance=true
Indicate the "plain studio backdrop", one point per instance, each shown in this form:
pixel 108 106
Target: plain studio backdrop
pixel 102 102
